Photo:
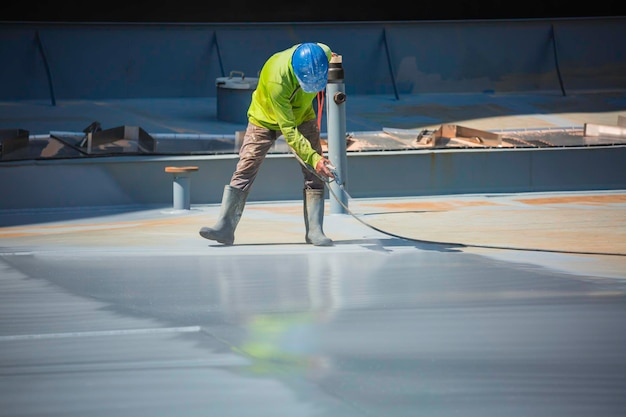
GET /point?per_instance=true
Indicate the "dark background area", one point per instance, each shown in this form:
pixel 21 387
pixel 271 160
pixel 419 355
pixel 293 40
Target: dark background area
pixel 230 11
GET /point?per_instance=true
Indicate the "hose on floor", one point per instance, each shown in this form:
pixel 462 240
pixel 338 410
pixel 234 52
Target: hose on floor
pixel 435 242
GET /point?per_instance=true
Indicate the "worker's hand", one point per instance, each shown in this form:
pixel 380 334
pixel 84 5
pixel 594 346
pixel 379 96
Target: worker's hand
pixel 322 169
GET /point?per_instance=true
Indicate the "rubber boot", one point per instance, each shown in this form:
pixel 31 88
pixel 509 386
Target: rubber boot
pixel 233 202
pixel 314 218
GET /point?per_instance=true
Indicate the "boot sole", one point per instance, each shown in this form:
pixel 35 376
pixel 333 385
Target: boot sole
pixel 329 243
pixel 222 241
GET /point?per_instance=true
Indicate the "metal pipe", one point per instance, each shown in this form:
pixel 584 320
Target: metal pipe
pixel 181 192
pixel 182 186
pixel 336 125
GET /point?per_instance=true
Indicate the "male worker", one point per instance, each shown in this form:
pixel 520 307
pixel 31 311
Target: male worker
pixel 282 103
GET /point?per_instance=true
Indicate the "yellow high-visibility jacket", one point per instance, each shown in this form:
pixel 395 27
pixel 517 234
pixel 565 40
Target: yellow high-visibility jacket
pixel 278 103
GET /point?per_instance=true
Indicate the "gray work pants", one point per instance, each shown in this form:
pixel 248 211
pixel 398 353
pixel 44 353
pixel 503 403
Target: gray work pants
pixel 256 144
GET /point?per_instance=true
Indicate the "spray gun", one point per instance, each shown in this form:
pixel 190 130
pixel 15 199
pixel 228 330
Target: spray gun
pixel 333 170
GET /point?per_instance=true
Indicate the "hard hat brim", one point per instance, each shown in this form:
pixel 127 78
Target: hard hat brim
pixel 312 87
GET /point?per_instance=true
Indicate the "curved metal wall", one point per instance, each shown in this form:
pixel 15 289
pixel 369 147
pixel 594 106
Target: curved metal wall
pixel 116 61
pixel 123 181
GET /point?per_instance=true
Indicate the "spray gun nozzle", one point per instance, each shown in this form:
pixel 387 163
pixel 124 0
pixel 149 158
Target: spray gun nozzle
pixel 333 171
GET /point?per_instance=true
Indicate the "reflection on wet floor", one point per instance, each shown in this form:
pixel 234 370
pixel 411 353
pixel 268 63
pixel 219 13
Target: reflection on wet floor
pixel 342 332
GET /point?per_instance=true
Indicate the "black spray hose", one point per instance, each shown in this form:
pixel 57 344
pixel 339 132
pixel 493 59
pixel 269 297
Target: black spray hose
pixel 341 185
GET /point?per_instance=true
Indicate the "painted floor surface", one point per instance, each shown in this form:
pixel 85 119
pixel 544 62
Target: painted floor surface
pixel 467 305
pixel 133 313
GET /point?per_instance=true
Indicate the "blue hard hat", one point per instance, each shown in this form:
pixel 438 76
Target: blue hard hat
pixel 310 65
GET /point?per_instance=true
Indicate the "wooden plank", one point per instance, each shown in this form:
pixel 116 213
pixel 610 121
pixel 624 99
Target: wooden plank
pixel 478 136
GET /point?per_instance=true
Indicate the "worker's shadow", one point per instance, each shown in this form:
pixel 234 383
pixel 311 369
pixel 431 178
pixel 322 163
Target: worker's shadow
pixel 377 245
pixel 385 244
pixel 393 240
